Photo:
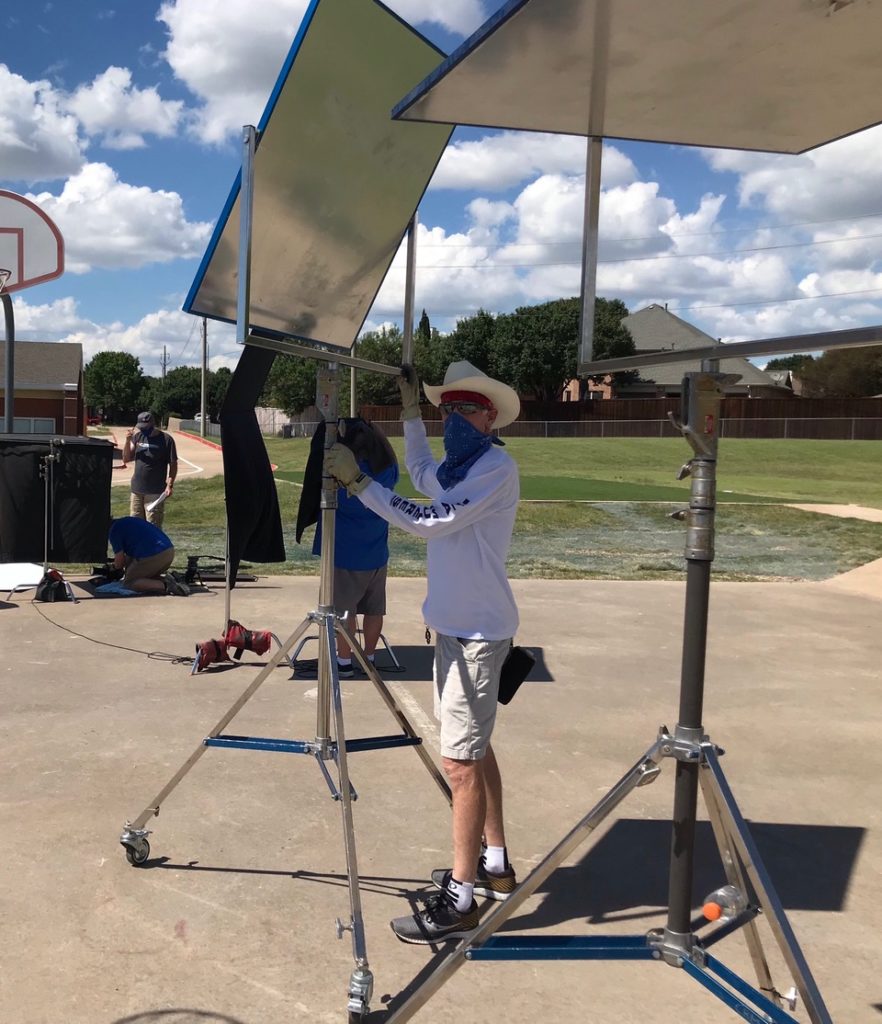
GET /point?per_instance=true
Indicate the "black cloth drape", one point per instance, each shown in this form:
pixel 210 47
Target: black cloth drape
pixel 79 498
pixel 311 493
pixel 254 522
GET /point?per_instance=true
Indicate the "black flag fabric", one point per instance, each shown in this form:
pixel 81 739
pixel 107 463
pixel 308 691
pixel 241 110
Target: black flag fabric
pixel 254 522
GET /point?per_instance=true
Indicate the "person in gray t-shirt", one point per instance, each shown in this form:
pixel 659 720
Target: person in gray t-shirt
pixel 156 466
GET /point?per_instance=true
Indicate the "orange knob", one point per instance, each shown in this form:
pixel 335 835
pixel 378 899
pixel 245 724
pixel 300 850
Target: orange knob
pixel 712 911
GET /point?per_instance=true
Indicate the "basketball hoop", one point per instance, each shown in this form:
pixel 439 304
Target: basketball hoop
pixel 4 277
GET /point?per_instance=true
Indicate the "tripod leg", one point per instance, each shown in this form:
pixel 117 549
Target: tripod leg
pixel 735 876
pixel 737 829
pixel 390 652
pixel 644 771
pixel 392 705
pixel 152 809
pixel 361 980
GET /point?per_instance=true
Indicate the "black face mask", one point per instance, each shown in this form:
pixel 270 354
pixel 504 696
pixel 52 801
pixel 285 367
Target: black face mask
pixel 146 429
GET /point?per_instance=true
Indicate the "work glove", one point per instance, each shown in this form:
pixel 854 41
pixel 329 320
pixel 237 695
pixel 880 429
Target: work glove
pixel 409 386
pixel 341 464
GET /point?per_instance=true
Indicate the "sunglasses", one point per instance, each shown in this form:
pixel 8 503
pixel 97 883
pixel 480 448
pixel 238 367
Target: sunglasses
pixel 464 408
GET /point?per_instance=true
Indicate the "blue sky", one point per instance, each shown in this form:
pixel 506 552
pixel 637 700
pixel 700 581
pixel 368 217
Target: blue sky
pixel 122 123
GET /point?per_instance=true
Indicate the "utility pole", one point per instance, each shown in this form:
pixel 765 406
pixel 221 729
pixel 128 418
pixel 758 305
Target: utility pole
pixel 203 404
pixel 163 364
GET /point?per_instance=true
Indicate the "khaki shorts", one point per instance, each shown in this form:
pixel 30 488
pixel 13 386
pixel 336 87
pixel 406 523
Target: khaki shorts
pixel 466 691
pixel 149 568
pixel 138 507
pixel 360 590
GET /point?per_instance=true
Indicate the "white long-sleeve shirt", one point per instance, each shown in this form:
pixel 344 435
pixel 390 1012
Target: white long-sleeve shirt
pixel 468 529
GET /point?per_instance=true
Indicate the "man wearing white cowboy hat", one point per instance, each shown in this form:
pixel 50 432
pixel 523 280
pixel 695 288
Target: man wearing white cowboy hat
pixel 469 604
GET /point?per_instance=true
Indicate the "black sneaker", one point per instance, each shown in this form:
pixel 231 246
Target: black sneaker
pixel 309 670
pixel 174 586
pixel 439 921
pixel 493 887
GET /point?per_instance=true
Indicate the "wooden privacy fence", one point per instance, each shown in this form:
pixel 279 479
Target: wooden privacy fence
pixel 658 409
pixel 853 428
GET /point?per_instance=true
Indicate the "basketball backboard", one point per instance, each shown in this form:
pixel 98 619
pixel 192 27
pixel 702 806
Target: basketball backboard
pixel 31 246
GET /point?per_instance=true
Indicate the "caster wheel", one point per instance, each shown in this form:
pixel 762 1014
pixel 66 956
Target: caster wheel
pixel 137 855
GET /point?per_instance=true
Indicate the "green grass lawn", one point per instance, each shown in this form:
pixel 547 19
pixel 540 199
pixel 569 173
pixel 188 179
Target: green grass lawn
pixel 596 509
pixel 645 469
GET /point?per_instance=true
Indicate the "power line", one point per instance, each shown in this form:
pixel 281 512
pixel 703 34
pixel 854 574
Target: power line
pixel 714 305
pixel 649 259
pixel 775 302
pixel 648 238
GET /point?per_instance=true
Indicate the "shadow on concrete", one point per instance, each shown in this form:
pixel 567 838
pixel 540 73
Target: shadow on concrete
pixel 410 889
pixel 624 876
pixel 416 661
pixel 179 1016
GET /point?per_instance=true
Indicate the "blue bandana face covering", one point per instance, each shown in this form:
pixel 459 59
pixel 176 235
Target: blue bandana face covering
pixel 463 446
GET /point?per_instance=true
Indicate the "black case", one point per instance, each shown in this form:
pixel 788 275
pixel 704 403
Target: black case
pixel 515 669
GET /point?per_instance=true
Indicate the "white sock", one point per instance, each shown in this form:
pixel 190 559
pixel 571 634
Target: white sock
pixel 344 662
pixel 495 860
pixel 462 894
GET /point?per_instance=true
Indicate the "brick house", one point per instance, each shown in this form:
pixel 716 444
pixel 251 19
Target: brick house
pixel 654 329
pixel 48 387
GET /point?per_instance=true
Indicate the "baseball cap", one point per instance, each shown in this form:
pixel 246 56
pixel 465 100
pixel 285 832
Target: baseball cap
pixel 145 419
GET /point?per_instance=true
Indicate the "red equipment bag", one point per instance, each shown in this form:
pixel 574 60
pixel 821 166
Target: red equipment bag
pixel 242 639
pixel 208 653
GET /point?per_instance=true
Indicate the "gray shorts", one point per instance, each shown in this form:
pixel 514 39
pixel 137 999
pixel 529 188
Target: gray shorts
pixel 360 590
pixel 466 691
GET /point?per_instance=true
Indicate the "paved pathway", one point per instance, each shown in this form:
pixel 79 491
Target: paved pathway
pixel 195 457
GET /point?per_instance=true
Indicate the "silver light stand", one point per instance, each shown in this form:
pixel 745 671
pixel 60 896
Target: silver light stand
pixel 9 374
pixel 47 464
pixel 330 743
pixel 697 764
pixel 325 746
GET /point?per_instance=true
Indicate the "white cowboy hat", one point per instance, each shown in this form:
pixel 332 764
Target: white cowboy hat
pixel 462 376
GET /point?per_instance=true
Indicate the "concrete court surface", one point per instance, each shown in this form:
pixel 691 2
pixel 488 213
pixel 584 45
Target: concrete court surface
pixel 232 919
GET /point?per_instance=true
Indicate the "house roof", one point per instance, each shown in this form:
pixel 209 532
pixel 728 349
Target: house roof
pixel 654 329
pixel 45 364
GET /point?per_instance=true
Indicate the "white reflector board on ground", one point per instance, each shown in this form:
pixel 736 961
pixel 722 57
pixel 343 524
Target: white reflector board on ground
pixel 780 76
pixel 336 180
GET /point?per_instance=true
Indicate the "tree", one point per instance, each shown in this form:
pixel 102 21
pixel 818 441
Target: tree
pixel 473 338
pixel 535 349
pixel 383 346
pixel 182 391
pixel 153 398
pixel 290 384
pixel 113 383
pixel 424 330
pixel 843 373
pixel 216 386
pixel 795 362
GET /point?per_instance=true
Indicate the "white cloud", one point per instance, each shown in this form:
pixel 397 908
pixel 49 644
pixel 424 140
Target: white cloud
pixel 38 140
pixel 62 321
pixel 229 56
pixel 460 16
pixel 108 223
pixel 122 113
pixel 689 232
pixel 842 179
pixel 450 281
pixel 498 162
